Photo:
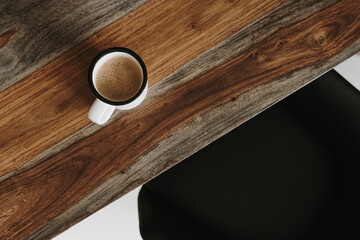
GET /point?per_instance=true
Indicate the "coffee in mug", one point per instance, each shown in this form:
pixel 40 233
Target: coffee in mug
pixel 118 78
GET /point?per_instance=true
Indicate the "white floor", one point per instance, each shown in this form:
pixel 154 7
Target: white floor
pixel 350 70
pixel 119 220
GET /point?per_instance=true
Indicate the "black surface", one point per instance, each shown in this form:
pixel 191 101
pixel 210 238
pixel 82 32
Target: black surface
pixel 291 172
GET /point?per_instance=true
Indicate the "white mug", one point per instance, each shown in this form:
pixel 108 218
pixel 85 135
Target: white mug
pixel 102 108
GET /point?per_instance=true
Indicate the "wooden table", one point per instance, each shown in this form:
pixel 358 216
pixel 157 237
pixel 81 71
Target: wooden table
pixel 212 65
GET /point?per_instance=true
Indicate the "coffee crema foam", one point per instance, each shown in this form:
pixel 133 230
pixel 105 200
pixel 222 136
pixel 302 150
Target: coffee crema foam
pixel 119 79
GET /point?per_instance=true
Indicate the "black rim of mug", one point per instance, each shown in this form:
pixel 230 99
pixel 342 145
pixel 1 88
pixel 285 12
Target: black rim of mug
pixel 107 51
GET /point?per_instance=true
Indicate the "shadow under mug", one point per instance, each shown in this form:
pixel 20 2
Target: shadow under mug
pixel 102 108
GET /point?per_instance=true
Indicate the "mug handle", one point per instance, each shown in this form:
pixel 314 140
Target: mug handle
pixel 100 112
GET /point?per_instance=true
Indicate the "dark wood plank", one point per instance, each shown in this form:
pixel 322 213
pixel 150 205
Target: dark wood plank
pixel 171 125
pixel 35 32
pixel 52 103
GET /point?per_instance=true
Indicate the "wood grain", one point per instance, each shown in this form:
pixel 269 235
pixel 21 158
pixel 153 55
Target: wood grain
pixel 284 15
pixel 35 32
pixel 57 107
pixel 175 122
